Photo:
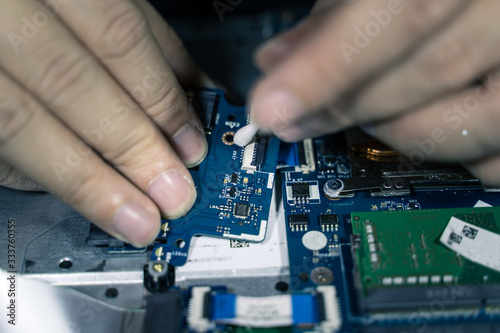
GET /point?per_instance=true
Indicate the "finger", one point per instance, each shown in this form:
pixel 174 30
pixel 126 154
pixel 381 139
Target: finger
pixel 39 146
pixel 73 85
pixel 487 170
pixel 320 70
pixel 462 127
pixel 117 32
pixel 187 72
pixel 313 126
pixel 275 50
pixel 447 62
pixel 12 178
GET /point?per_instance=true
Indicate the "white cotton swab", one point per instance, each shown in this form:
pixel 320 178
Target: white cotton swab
pixel 245 135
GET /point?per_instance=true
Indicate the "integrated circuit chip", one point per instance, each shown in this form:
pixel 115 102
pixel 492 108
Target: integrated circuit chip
pixel 328 219
pixel 231 192
pixel 298 220
pixel 241 210
pixel 233 179
pixel 300 190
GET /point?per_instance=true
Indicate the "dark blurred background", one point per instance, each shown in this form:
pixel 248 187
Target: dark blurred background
pixel 222 35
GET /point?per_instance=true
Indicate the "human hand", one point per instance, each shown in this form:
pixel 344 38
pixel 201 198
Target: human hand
pixel 92 110
pixel 422 76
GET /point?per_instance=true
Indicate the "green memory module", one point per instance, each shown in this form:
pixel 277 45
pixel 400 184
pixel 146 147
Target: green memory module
pixel 398 256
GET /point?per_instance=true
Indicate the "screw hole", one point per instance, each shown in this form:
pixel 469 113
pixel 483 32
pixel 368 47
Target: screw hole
pixel 65 264
pixel 180 243
pixel 228 138
pixel 281 286
pixel 111 293
pixel 231 117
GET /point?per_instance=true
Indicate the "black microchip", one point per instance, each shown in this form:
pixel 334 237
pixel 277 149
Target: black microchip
pixel 241 209
pixel 328 219
pixel 232 191
pixel 298 219
pixel 234 178
pixel 300 190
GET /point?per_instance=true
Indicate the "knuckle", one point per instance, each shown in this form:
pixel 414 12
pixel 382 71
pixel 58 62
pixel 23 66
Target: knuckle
pixel 120 30
pixel 65 76
pixel 135 149
pixel 169 110
pixel 15 118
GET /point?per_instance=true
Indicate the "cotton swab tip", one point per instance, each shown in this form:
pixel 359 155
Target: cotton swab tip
pixel 245 135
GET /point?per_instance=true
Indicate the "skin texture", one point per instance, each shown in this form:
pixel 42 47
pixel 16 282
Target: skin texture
pixel 92 109
pixel 421 76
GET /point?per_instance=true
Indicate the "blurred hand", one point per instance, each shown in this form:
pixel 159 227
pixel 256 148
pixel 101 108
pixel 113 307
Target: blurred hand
pixel 423 76
pixel 92 110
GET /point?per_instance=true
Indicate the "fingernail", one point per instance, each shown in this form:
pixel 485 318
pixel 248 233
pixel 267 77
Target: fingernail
pixel 173 193
pixel 136 224
pixel 191 145
pixel 277 111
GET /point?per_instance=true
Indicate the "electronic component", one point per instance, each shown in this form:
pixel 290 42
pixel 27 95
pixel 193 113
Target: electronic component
pixel 316 310
pixel 234 178
pixel 300 190
pixel 298 222
pixel 216 179
pixel 401 264
pixel 305 151
pixel 314 261
pixel 205 104
pixel 303 192
pixel 232 192
pixel 254 154
pixel 241 210
pixel 413 205
pixel 328 220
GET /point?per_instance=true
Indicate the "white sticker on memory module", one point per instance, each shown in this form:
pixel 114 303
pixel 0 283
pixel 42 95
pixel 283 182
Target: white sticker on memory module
pixel 472 242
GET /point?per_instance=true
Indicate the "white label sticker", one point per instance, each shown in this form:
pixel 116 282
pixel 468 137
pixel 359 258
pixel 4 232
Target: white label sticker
pixel 481 203
pixel 270 181
pixel 472 242
pixel 271 311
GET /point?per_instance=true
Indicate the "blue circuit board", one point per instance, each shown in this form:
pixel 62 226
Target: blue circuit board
pixel 234 184
pixel 311 165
